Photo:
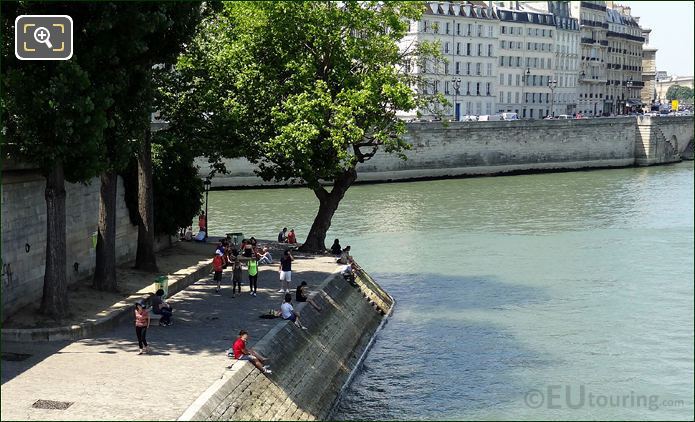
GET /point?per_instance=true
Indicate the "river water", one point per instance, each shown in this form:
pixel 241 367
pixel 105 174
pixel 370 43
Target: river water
pixel 550 296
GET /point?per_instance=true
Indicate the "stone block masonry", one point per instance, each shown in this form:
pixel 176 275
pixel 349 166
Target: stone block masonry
pixel 24 234
pixel 310 367
pixel 457 149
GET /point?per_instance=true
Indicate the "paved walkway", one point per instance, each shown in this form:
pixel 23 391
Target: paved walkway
pixel 104 376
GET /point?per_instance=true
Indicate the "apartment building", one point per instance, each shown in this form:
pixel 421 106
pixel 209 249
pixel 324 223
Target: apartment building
pixel 648 93
pixel 624 66
pixel 467 34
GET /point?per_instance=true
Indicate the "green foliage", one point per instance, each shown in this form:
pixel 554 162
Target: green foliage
pixel 680 93
pixel 305 89
pixel 178 189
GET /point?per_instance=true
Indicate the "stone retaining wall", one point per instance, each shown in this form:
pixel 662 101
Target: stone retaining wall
pixel 310 367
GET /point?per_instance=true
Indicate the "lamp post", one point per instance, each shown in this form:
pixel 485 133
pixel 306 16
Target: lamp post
pixel 456 82
pixel 582 74
pixel 524 79
pixel 206 185
pixel 552 84
pixel 629 90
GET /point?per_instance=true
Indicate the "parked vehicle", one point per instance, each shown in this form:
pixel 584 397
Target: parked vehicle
pixel 564 117
pixel 510 116
pixel 490 118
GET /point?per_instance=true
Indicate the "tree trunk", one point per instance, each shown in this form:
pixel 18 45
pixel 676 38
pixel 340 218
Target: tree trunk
pixel 105 271
pixel 145 258
pixel 54 302
pixel 328 204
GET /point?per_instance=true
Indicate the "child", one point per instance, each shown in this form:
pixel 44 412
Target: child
pixel 217 266
pixel 236 275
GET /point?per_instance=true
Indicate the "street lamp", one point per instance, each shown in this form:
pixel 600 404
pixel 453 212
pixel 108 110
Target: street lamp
pixel 206 185
pixel 456 82
pixel 552 84
pixel 524 78
pixel 629 90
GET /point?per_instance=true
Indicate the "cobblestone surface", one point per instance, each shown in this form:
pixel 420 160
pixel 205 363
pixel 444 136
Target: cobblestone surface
pixel 106 378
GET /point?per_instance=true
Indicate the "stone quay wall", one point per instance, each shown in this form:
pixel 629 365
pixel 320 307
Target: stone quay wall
pixel 457 149
pixel 310 368
pixel 24 234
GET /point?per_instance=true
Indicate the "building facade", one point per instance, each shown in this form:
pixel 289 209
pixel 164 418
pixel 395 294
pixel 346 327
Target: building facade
pixel 467 34
pixel 648 92
pixel 624 86
pixel 535 58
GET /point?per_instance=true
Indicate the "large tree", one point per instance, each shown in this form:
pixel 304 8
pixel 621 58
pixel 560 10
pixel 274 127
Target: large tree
pixel 309 89
pixel 176 24
pixel 54 117
pixel 680 93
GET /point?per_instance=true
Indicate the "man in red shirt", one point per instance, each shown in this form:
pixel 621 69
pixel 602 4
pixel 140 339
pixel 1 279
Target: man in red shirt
pixel 242 353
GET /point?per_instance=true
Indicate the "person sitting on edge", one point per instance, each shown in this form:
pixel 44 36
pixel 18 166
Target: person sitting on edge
pixel 287 312
pixel 248 249
pixel 282 236
pixel 202 222
pixel 348 275
pixel 189 234
pixel 291 237
pixel 302 295
pixel 266 257
pixel 217 266
pixel 336 249
pixel 242 353
pixel 160 307
pixel 345 257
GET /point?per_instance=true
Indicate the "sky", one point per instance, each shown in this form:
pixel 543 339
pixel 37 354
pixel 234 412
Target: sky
pixel 672 33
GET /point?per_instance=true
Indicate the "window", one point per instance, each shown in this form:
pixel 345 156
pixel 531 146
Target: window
pixel 458 68
pixel 501 78
pixel 477 69
pixel 435 27
pixel 504 29
pixel 446 47
pixel 468 88
pixel 468 49
pixel 446 87
pixel 477 88
pixel 501 96
pixel 436 87
pixel 490 31
pixel 488 92
pixel 516 97
pixel 470 29
pixel 488 108
pixel 480 49
pixel 480 30
pixel 502 61
pixel 458 47
pixel 509 97
pixel 446 68
pixel 489 49
pixel 479 108
pixel 447 28
pixel 424 26
pixel 468 68
pixel 489 69
pixel 458 29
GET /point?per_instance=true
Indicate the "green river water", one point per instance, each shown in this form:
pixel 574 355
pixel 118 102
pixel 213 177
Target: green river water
pixel 549 296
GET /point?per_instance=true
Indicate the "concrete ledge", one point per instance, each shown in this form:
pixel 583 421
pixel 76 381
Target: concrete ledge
pixel 310 368
pixel 122 311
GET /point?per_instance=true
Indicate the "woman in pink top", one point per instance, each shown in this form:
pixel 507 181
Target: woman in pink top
pixel 142 322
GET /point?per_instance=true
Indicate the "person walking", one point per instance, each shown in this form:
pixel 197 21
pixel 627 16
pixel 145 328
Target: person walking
pixel 286 271
pixel 142 322
pixel 217 267
pixel 252 266
pixel 236 275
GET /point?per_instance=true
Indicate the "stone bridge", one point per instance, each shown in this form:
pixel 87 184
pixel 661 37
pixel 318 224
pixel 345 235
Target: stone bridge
pixel 663 140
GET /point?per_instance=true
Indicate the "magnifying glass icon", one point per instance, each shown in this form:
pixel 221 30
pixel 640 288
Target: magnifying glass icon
pixel 43 36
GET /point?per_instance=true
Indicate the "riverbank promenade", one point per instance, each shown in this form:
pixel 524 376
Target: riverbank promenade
pixel 104 377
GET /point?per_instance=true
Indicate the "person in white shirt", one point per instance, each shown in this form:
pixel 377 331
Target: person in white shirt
pixel 287 312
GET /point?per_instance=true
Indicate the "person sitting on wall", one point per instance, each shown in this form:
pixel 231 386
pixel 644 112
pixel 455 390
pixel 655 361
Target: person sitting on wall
pixel 160 307
pixel 302 295
pixel 287 312
pixel 348 274
pixel 291 237
pixel 336 249
pixel 265 257
pixel 345 257
pixel 248 248
pixel 282 236
pixel 188 235
pixel 240 352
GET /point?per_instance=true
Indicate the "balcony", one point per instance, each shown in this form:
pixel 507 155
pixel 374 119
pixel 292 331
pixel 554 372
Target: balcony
pixel 588 41
pixel 593 6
